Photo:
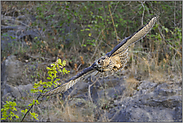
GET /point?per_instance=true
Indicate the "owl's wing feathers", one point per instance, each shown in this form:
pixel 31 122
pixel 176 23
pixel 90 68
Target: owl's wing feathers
pixel 133 38
pixel 124 57
pixel 64 87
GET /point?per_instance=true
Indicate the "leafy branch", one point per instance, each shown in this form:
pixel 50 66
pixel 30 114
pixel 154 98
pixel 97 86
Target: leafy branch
pixel 9 107
pixel 56 67
pixel 53 78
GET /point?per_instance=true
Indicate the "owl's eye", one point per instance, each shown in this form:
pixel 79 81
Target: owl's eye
pixel 99 62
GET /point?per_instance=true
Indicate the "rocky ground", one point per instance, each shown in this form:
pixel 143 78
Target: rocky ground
pixel 109 98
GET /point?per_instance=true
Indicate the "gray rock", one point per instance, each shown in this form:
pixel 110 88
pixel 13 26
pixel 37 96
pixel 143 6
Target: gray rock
pixel 178 113
pixel 3 73
pixel 15 93
pixel 13 70
pixel 154 103
pixel 25 90
pixel 144 114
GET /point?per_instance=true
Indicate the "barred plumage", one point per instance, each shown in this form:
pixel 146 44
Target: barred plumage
pixel 114 60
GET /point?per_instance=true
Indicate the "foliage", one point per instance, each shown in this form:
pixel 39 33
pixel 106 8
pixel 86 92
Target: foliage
pixel 53 78
pixel 8 111
pixel 58 66
pixel 83 24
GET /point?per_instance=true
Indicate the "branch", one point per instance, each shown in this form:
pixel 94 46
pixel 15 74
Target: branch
pixel 31 106
pixel 113 23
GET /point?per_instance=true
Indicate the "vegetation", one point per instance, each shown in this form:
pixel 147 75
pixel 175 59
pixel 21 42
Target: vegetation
pixel 80 32
pixel 53 77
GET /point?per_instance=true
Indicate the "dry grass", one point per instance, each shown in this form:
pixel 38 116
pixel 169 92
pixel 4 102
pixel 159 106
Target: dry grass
pixel 57 112
pixel 131 84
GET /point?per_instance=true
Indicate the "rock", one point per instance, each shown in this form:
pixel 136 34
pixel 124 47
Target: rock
pixel 25 90
pixel 178 113
pixel 14 70
pixel 143 114
pixel 6 97
pixel 3 73
pixel 15 93
pixel 3 77
pixel 154 103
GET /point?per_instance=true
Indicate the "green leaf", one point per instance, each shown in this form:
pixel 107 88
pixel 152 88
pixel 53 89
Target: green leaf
pixel 3 118
pixel 48 78
pixel 14 109
pixel 33 102
pixel 14 104
pixel 64 63
pixel 17 117
pixel 33 91
pixel 59 61
pixel 37 102
pixel 34 115
pixel 44 83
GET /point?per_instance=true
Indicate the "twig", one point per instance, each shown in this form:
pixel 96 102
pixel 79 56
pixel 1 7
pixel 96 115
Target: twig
pixel 142 12
pixel 169 45
pixel 174 13
pixel 97 45
pixel 113 22
pixel 31 106
pixel 115 7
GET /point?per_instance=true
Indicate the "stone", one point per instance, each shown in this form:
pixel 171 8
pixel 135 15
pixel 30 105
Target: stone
pixel 13 70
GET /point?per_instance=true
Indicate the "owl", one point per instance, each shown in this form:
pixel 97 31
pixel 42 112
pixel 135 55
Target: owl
pixel 114 60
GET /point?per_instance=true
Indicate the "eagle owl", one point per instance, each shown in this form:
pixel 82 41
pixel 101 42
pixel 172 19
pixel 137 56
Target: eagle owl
pixel 112 61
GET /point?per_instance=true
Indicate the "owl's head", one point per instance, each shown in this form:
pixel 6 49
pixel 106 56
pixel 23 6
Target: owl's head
pixel 102 64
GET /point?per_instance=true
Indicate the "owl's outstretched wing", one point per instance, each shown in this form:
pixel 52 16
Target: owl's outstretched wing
pixel 82 75
pixel 121 47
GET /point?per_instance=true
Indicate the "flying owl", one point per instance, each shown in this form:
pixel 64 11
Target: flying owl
pixel 112 61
